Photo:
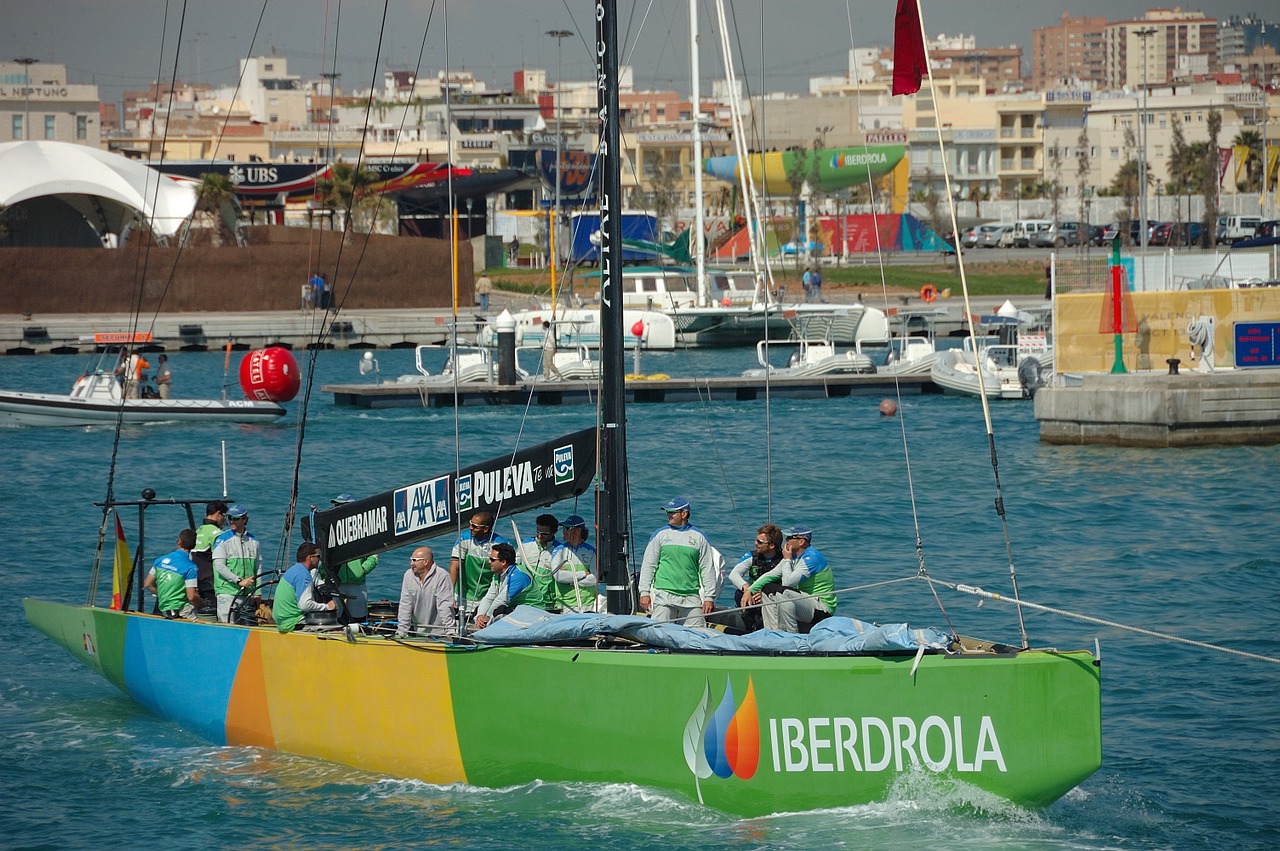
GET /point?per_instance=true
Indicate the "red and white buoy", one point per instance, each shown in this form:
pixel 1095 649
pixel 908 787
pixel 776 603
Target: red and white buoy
pixel 270 375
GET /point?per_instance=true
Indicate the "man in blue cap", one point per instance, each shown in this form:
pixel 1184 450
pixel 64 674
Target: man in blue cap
pixel 803 586
pixel 573 569
pixel 237 560
pixel 678 574
pixel 351 579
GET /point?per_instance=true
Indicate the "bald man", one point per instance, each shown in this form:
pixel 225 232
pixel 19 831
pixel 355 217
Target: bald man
pixel 427 601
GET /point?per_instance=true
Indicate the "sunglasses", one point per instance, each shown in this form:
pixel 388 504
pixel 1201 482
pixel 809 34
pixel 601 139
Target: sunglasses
pixel 494 558
pixel 551 534
pixel 760 543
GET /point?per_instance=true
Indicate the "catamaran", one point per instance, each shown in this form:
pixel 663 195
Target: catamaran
pixel 755 724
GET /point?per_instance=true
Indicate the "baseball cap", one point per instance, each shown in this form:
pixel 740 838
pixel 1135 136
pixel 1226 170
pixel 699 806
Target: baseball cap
pixel 798 532
pixel 238 510
pixel 343 499
pixel 573 521
pixel 678 503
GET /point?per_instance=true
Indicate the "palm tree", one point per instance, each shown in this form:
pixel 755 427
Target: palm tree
pixel 1252 141
pixel 216 202
pixel 1209 180
pixel 350 190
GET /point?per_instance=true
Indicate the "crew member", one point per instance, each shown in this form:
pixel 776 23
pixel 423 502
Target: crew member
pixel 573 566
pixel 351 579
pixel 295 593
pixel 678 574
pixel 237 560
pixel 800 589
pixel 173 580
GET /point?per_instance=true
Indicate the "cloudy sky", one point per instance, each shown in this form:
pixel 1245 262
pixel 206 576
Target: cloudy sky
pixel 127 43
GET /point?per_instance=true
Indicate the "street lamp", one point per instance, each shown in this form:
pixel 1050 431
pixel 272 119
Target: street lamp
pixel 27 62
pixel 1143 34
pixel 559 36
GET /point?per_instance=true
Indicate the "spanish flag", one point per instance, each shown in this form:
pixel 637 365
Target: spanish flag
pixel 123 569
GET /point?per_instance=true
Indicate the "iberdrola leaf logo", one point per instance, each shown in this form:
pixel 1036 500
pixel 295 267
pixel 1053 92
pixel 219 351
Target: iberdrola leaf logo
pixel 726 742
pixel 694 755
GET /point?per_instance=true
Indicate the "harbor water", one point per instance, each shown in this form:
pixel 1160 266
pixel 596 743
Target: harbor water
pixel 1178 542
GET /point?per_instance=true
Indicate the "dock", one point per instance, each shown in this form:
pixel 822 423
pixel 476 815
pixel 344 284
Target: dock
pixel 1227 407
pixel 638 391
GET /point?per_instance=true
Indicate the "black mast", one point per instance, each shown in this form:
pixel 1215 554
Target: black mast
pixel 611 508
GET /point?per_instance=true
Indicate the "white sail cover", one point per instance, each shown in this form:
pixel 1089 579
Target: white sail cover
pixel 77 174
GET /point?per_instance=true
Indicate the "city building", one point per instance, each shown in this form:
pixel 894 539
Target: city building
pixel 1150 51
pixel 37 102
pixel 1069 52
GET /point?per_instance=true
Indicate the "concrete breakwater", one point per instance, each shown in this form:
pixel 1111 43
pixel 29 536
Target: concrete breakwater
pixel 1232 407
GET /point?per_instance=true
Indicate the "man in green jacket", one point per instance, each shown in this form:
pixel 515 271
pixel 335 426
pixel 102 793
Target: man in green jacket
pixel 351 579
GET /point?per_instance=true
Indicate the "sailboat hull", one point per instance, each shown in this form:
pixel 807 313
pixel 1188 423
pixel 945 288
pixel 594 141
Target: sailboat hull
pixel 747 735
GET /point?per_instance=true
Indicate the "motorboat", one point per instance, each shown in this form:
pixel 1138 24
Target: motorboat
pixel 1009 370
pixel 809 358
pixel 97 398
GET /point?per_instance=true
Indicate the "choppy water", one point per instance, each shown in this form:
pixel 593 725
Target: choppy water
pixel 1181 542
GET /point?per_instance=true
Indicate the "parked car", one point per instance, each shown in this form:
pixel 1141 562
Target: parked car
pixel 995 237
pixel 1191 233
pixel 1025 230
pixel 1235 228
pixel 1058 236
pixel 790 249
pixel 1162 233
pixel 974 236
pixel 1097 235
pixel 1269 227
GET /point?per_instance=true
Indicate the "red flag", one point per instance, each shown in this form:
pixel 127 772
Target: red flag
pixel 908 49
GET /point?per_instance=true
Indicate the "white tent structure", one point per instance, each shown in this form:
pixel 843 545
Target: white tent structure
pixel 68 192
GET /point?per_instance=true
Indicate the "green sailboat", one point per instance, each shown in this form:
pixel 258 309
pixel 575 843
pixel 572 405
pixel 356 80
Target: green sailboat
pixel 743 725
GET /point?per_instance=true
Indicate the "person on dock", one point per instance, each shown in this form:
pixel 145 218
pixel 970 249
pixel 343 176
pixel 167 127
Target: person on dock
pixel 164 378
pixel 549 352
pixel 484 288
pixel 765 555
pixel 815 285
pixel 310 292
pixel 215 515
pixel 173 580
pixel 806 281
pixel 800 589
pixel 237 560
pixel 294 594
pixel 508 588
pixel 678 574
pixel 573 566
pixel 351 579
pixel 533 556
pixel 469 560
pixel 427 602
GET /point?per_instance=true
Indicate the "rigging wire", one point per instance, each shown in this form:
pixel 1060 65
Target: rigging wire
pixel 964 287
pixel 144 249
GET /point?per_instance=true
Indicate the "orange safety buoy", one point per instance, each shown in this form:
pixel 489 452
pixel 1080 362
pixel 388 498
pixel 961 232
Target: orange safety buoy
pixel 928 292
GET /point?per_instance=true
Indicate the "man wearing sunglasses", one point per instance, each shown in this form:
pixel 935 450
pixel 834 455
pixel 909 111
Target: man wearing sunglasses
pixel 801 589
pixel 678 574
pixel 573 569
pixel 765 555
pixel 469 561
pixel 534 557
pixel 508 587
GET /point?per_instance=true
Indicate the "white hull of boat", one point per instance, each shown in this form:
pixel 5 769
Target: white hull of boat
pixel 47 409
pixel 955 372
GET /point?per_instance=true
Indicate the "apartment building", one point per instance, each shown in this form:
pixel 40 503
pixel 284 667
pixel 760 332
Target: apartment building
pixel 1151 50
pixel 1070 51
pixel 37 102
